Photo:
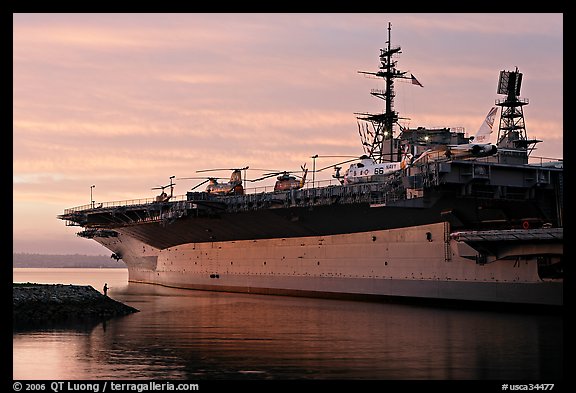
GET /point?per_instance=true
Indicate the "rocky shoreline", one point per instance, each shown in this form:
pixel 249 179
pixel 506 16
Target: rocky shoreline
pixel 39 303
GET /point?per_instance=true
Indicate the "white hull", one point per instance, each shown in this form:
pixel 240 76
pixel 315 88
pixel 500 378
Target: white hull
pixel 391 263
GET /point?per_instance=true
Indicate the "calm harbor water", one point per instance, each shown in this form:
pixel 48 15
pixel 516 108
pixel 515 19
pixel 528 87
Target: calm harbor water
pixel 197 335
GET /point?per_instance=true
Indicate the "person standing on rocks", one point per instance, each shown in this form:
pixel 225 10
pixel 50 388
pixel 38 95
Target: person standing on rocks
pixel 105 289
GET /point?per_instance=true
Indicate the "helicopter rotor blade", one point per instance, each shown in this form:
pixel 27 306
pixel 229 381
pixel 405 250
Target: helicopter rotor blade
pixel 199 184
pixel 265 170
pixel 337 157
pixel 205 177
pixel 339 163
pixel 223 169
pixel 265 176
pixel 284 172
pixel 162 187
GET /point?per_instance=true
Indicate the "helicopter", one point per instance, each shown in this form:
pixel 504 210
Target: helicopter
pixel 163 197
pixel 285 181
pixel 367 168
pixel 232 187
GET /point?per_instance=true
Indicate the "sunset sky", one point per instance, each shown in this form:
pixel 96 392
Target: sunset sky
pixel 124 101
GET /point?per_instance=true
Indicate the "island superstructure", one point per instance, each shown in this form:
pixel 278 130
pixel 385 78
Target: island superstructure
pixel 483 226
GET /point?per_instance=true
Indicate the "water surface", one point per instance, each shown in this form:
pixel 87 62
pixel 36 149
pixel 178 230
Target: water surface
pixel 198 335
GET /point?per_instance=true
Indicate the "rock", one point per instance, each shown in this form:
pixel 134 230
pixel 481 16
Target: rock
pixel 34 303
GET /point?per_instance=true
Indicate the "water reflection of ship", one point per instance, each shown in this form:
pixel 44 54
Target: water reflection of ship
pixel 481 223
pixel 206 335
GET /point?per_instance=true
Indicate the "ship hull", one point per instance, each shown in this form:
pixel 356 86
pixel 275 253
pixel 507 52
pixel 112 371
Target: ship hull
pixel 414 263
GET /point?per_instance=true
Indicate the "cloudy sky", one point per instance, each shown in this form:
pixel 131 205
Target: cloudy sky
pixel 124 101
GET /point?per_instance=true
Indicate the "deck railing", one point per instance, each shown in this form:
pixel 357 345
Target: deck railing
pixel 533 161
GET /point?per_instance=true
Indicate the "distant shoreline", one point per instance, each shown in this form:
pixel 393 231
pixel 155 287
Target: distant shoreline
pixel 27 260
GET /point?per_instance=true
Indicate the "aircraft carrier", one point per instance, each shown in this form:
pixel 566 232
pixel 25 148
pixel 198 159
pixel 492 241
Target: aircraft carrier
pixel 459 223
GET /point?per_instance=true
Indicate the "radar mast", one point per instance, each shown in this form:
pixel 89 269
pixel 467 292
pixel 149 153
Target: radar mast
pixel 377 130
pixel 512 129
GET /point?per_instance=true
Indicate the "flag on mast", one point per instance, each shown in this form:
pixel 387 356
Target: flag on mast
pixel 415 81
